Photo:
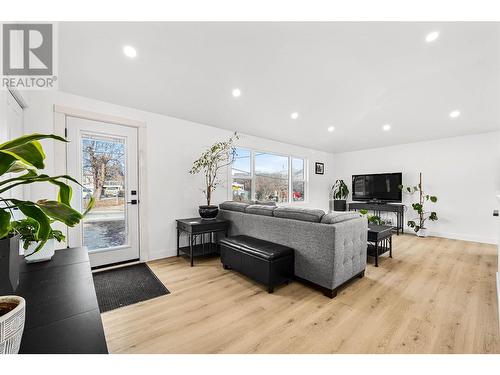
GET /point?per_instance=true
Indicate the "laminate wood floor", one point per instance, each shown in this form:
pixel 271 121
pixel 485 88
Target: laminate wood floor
pixel 435 296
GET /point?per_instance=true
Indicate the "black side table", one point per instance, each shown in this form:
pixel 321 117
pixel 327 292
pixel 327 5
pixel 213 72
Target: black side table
pixel 379 241
pixel 196 228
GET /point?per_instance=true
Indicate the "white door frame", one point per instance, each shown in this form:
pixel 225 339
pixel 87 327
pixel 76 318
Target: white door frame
pixel 60 114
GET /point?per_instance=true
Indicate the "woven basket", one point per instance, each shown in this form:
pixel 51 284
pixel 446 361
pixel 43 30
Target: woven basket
pixel 12 325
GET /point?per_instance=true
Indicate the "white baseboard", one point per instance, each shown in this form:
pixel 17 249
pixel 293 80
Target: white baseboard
pixel 160 254
pixel 463 237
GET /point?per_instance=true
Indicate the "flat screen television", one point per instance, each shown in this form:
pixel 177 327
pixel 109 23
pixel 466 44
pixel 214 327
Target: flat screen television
pixel 382 187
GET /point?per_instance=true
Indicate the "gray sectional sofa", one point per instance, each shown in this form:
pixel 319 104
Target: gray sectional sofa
pixel 330 249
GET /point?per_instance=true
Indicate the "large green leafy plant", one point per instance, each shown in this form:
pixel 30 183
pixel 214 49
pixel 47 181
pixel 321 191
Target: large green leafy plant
pixel 22 158
pixel 340 190
pixel 218 156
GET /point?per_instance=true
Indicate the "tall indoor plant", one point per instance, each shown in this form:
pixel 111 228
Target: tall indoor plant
pixel 418 223
pixel 339 194
pixel 216 157
pixel 20 162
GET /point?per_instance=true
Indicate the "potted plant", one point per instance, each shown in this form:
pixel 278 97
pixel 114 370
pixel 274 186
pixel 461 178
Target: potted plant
pixel 20 161
pixel 27 229
pixel 12 312
pixel 372 219
pixel 218 156
pixel 418 223
pixel 339 194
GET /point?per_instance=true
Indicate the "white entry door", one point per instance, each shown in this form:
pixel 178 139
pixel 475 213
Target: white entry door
pixel 103 157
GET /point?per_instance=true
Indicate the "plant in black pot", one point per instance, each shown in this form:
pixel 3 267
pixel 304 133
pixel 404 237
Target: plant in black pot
pixel 215 158
pixel 20 160
pixel 339 194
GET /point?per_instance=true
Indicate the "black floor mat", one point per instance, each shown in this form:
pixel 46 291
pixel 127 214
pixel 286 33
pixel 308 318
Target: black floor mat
pixel 125 286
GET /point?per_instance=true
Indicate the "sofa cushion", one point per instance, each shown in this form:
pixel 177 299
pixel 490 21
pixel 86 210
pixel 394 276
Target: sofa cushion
pixel 265 203
pixel 233 206
pixel 337 217
pixel 260 209
pixel 299 213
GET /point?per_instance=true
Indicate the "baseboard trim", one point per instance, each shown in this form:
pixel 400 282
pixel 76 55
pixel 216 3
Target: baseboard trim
pixel 161 255
pixel 112 266
pixel 463 237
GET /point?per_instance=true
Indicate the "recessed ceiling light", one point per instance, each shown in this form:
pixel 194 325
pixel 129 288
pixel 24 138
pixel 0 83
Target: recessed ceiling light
pixel 386 127
pixel 130 51
pixel 236 93
pixel 294 115
pixel 431 37
pixel 331 128
pixel 454 114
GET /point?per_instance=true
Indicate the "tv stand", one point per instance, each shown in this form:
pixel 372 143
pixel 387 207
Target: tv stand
pixel 377 207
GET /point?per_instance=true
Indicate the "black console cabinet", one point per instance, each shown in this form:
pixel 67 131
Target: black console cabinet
pixel 398 209
pixel 62 314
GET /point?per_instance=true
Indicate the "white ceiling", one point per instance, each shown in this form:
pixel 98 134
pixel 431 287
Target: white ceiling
pixel 355 76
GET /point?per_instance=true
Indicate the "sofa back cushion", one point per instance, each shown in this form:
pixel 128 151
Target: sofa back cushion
pixel 233 206
pixel 299 213
pixel 265 203
pixel 337 217
pixel 260 209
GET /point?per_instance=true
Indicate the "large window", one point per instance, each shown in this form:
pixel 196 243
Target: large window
pixel 268 177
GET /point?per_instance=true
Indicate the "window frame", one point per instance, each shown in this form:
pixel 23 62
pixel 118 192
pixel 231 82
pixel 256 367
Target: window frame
pixel 252 175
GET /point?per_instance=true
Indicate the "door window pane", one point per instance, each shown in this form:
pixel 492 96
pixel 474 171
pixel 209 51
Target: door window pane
pixel 271 177
pixel 103 176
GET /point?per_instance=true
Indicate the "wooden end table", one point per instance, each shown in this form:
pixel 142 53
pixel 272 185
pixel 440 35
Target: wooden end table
pixel 196 228
pixel 379 241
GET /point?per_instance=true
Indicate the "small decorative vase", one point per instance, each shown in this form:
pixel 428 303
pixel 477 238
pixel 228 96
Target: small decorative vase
pixel 208 212
pixel 12 314
pixel 44 254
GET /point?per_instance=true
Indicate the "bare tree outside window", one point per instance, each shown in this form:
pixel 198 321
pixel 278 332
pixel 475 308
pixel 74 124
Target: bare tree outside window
pixel 103 168
pixel 103 165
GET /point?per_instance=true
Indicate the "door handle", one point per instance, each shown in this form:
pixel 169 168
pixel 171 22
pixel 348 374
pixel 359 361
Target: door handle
pixel 133 201
pixel 495 213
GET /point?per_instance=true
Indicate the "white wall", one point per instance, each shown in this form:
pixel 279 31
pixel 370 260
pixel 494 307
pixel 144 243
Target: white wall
pixel 463 172
pixel 172 146
pixel 4 130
